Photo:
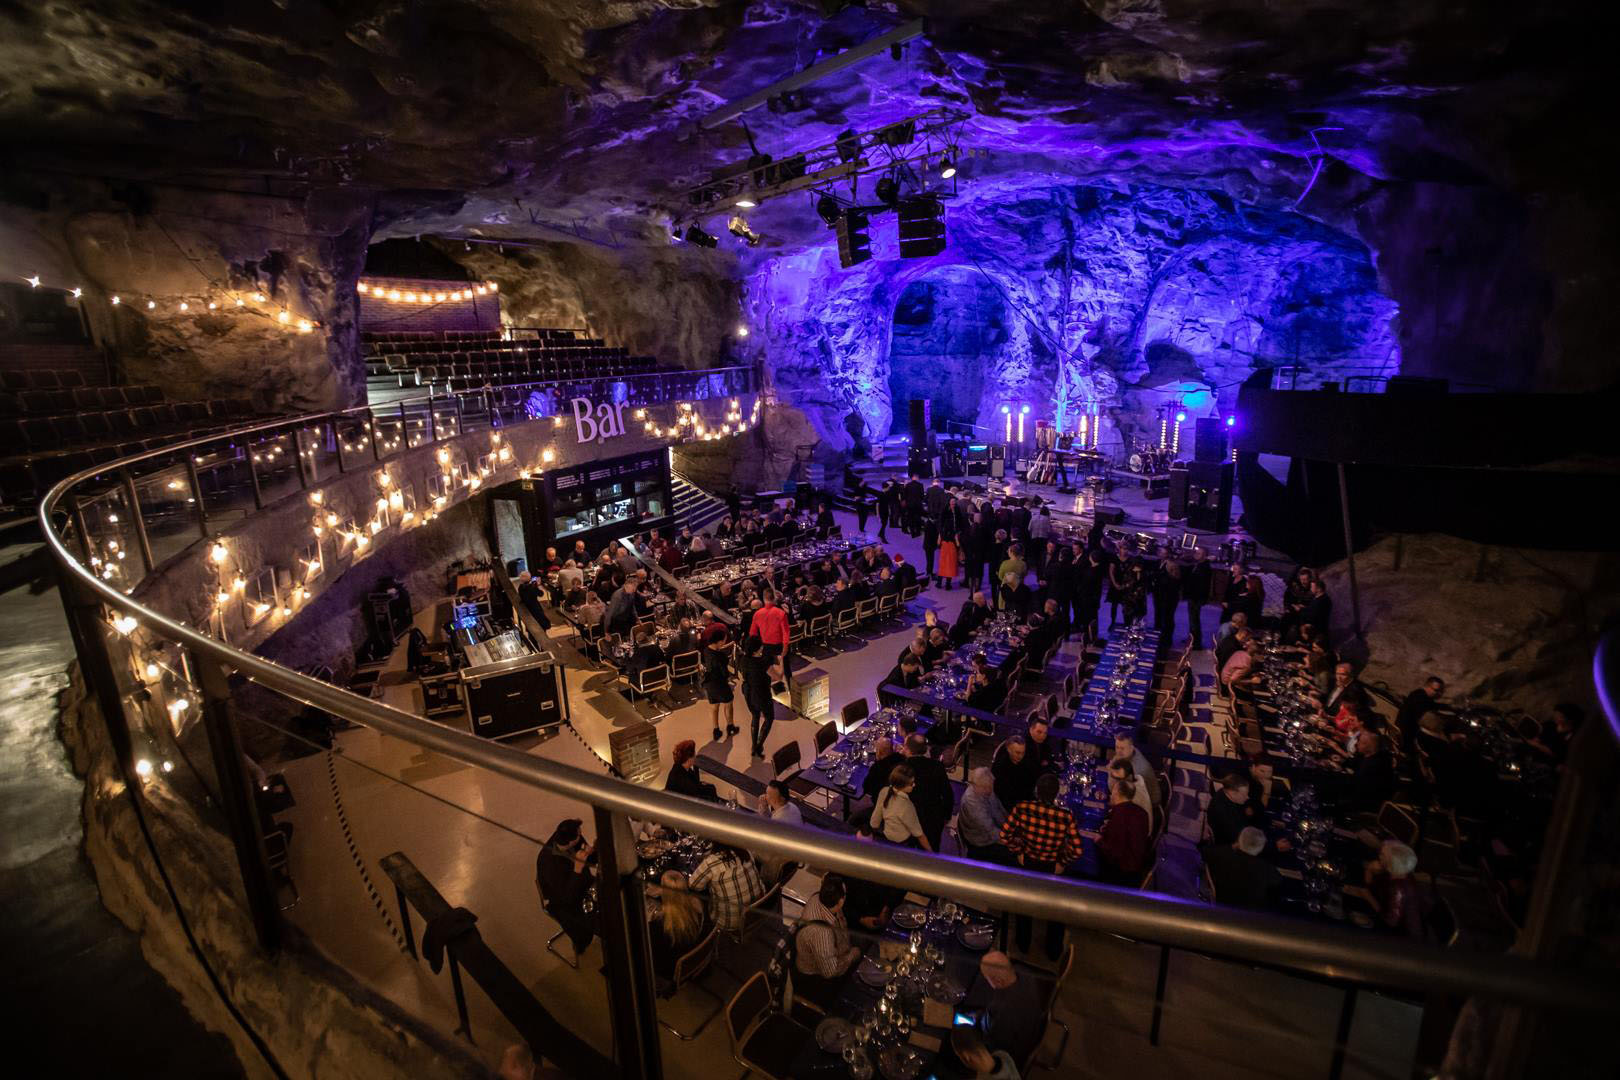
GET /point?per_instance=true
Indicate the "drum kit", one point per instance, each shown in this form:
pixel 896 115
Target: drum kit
pixel 1151 460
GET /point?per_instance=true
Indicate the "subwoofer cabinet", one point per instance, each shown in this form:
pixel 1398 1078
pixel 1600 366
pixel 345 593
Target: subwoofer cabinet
pixel 513 697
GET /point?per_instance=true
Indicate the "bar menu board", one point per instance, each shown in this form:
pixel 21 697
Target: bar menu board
pixel 635 752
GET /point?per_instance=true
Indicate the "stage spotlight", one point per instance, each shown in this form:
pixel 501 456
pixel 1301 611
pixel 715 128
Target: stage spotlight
pixel 747 203
pixel 1231 421
pixel 888 189
pixel 829 210
pixel 739 228
pixel 947 167
pixel 695 235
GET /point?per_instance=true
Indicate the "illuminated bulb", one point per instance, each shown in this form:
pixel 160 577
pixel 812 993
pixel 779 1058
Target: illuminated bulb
pixel 212 306
pixel 393 294
pixel 439 298
pixel 315 497
pixel 396 500
pixel 282 316
pixel 747 204
pixel 116 301
pixel 124 624
pixel 184 306
pixel 305 326
pixel 258 297
pixel 382 504
pixel 77 293
pixel 114 519
pixel 376 526
pixel 241 302
pixel 219 552
pixel 143 769
pixel 222 598
pixel 548 455
pixel 361 540
pixel 556 421
pixel 150 304
pixel 238 583
pixel 505 453
pixel 33 282
pixel 286 611
pixel 152 671
pixel 261 609
pixel 362 288
pixel 444 456
pixel 168 766
pixel 742 331
pixel 383 479
pixel 410 298
pixel 479 290
pixel 474 481
pixel 331 520
pixel 178 706
pixel 493 287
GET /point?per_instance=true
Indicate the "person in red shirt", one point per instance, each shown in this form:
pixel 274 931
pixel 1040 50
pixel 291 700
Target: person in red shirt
pixel 1124 844
pixel 770 625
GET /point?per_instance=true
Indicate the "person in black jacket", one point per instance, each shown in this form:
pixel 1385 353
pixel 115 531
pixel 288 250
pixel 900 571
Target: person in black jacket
pixel 683 776
pixel 888 496
pixel 1241 876
pixel 975 613
pixel 912 497
pixel 528 591
pixel 562 874
pixel 1229 810
pixel 907 675
pixel 1167 588
pixel 932 796
pixel 885 758
pixel 1196 582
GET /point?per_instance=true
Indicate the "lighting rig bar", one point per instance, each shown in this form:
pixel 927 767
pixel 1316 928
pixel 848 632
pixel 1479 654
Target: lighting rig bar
pixel 756 180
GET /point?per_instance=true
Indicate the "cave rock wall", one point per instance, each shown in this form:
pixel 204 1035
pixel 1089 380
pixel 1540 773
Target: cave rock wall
pixel 1126 298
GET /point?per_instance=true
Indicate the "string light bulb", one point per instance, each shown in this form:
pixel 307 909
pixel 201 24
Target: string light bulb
pixel 219 552
pixel 152 670
pixel 116 301
pixel 124 624
pixel 33 282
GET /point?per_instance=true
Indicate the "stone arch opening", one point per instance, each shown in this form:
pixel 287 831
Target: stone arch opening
pixel 948 326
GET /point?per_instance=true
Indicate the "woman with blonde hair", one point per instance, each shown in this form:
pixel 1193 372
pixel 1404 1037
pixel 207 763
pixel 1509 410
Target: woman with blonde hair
pixel 681 923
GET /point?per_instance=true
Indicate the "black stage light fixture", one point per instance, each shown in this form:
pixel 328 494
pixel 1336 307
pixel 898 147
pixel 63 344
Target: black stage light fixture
pixel 761 166
pixel 695 235
pixel 790 168
pixel 888 189
pixel 849 145
pixel 829 210
pixel 899 134
pixel 854 245
pixel 922 227
pixel 947 167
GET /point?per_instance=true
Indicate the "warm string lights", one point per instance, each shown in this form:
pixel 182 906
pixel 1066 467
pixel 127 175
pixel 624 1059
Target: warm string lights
pixel 690 424
pixel 231 301
pixel 395 295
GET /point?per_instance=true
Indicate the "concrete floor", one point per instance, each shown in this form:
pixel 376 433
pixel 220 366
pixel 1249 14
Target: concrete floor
pixel 476 838
pixel 73 971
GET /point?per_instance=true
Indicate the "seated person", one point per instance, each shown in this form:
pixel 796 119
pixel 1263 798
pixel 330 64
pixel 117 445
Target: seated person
pixel 938 645
pixel 683 776
pixel 904 573
pixel 886 585
pixel 823 951
pixel 1241 672
pixel 986 690
pixel 681 923
pixel 732 882
pixel 562 873
pixel 591 611
pixel 1013 771
pixel 645 654
pixel 975 613
pixel 1007 1006
pixel 907 674
pixel 1233 642
pixel 975 1059
pixel 1392 891
pixel 1373 781
pixel 686 639
pixel 1125 769
pixel 814 604
pixel 1241 875
pixel 1229 811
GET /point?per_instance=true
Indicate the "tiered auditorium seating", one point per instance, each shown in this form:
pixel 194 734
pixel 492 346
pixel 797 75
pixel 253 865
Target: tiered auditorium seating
pixel 51 430
pixel 463 360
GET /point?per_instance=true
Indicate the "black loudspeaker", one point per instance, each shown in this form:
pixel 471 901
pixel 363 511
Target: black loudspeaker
pixel 1178 491
pixel 1209 496
pixel 854 244
pixel 1209 439
pixel 920 460
pixel 1109 515
pixel 998 460
pixel 922 227
pixel 921 417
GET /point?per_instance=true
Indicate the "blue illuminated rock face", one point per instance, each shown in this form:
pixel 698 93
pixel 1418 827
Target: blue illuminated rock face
pixel 1061 295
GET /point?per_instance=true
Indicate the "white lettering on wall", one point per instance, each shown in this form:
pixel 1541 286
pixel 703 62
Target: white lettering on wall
pixel 599 423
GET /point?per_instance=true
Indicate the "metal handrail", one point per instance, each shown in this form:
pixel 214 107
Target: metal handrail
pixel 1323 951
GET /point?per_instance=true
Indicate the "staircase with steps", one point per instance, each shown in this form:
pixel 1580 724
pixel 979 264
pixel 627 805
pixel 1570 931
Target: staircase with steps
pixel 695 508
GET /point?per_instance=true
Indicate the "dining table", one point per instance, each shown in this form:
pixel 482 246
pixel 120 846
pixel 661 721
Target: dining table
pixel 1117 693
pixel 893 1012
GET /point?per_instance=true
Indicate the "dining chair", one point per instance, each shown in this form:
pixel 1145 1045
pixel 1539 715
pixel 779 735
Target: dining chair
pixel 854 712
pixel 690 967
pixel 763 1040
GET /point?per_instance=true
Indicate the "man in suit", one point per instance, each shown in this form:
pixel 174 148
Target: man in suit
pixel 1242 877
pixel 912 499
pixel 934 499
pixel 1196 582
pixel 885 758
pixel 1318 612
pixel 975 613
pixel 932 796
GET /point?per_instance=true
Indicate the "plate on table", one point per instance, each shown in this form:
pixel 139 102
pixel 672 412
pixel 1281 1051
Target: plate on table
pixel 873 972
pixel 833 1034
pixel 976 936
pixel 900 1062
pixel 944 988
pixel 652 849
pixel 909 916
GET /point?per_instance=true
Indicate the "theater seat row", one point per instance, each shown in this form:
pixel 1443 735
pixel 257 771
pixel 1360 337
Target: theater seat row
pixel 45 402
pixel 41 379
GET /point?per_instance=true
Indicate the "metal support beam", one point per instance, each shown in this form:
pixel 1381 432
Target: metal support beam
pixel 899 35
pixel 236 799
pixel 622 907
pixel 137 518
pixel 1349 551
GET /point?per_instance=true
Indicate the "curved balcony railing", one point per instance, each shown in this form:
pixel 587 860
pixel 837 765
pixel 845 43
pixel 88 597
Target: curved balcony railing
pixel 81 514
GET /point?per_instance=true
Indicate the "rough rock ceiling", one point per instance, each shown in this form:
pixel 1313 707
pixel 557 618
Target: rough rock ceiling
pixel 523 117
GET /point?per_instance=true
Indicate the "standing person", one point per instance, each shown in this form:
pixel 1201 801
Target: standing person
pixel 1196 583
pixel 913 498
pixel 885 508
pixel 863 507
pixel 770 622
pixel 1043 837
pixel 757 671
pixel 935 498
pixel 717 678
pixel 1040 531
pixel 894 817
pixel 947 544
pixel 1167 589
pixel 930 543
pixel 528 591
pixel 972 553
pixel 979 821
pixel 1124 844
pixel 933 797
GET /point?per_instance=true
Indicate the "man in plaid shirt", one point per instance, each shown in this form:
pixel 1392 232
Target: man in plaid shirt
pixel 1044 837
pixel 732 882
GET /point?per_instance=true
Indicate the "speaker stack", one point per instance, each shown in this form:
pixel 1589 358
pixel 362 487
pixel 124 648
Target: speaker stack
pixel 1209 496
pixel 1209 439
pixel 1178 491
pixel 920 421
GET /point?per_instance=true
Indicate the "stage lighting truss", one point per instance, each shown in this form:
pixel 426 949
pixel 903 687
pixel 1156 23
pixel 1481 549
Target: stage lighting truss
pixel 923 150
